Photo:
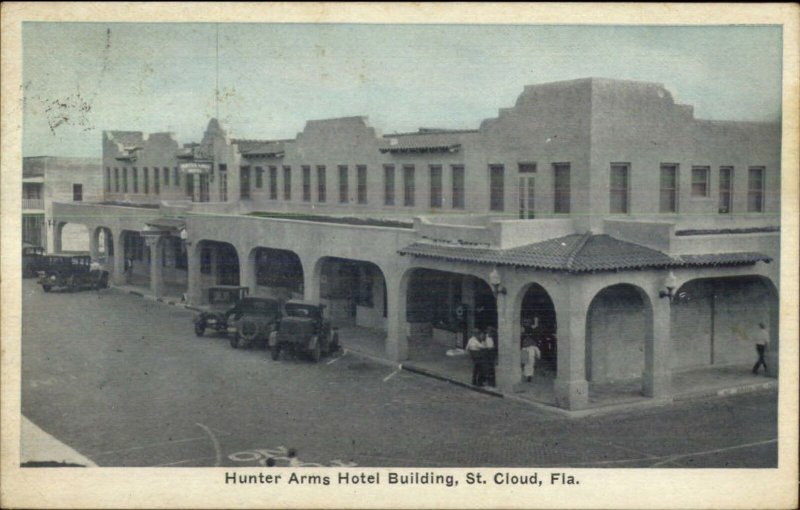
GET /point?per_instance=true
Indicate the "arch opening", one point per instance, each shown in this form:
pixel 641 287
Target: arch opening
pixel 276 273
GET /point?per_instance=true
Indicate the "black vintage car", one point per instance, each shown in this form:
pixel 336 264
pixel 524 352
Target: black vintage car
pixel 304 329
pixel 33 261
pixel 222 299
pixel 71 272
pixel 252 320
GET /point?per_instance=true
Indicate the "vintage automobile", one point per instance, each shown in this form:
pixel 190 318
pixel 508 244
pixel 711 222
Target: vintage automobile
pixel 71 272
pixel 304 329
pixel 221 300
pixel 33 261
pixel 252 320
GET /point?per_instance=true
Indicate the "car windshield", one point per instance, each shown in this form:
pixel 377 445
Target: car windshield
pixel 302 311
pixel 223 296
pixel 258 305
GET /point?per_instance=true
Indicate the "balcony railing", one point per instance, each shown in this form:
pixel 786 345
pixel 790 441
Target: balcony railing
pixel 33 203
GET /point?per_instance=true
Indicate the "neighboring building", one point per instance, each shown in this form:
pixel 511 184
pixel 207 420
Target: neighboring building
pixel 47 179
pixel 576 209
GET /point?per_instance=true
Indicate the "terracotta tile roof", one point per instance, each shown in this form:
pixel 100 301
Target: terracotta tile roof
pixel 576 253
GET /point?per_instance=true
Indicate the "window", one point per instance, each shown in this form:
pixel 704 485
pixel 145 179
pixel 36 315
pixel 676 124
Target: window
pixel 726 190
pixel 135 180
pixel 496 187
pixel 124 179
pixel 306 183
pixel 176 176
pixel 561 188
pixel 361 190
pixel 408 185
pixel 273 183
pixel 287 183
pixel 668 193
pixel 436 186
pixel 223 183
pixel 755 189
pixel 156 183
pixel 166 176
pixel 116 180
pixel 618 189
pixel 108 179
pixel 526 191
pixel 343 184
pixel 244 182
pixel 321 184
pixel 259 177
pixel 388 184
pixel 699 181
pixel 203 188
pixel 146 180
pixel 77 192
pixel 458 186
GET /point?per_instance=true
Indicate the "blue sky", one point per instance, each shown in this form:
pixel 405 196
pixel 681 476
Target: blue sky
pixel 82 78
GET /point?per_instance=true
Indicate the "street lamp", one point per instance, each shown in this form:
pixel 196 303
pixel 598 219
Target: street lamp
pixel 669 284
pixel 495 282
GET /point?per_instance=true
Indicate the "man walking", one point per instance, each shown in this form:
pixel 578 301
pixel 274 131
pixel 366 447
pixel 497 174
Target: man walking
pixel 762 340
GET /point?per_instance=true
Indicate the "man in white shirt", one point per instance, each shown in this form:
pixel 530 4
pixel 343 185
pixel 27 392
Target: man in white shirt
pixel 762 341
pixel 476 346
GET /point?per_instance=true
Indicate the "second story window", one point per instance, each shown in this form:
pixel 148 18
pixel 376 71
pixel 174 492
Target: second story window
pixel 388 184
pixel 361 190
pixel 755 189
pixel 458 186
pixel 668 192
pixel 176 176
pixel 408 185
pixel 436 186
pixel 496 188
pixel 306 183
pixel 146 180
pixel 699 181
pixel 273 183
pixel 135 177
pixel 726 190
pixel 343 185
pixel 108 179
pixel 618 198
pixel 244 182
pixel 124 179
pixel 223 183
pixel 561 188
pixel 77 192
pixel 259 177
pixel 166 176
pixel 287 183
pixel 156 183
pixel 116 180
pixel 322 182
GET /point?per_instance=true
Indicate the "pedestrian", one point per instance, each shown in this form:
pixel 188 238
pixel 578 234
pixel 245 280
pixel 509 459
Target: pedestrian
pixel 530 353
pixel 762 340
pixel 476 347
pixel 490 358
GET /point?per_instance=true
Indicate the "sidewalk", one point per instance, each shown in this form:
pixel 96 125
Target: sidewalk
pixel 40 449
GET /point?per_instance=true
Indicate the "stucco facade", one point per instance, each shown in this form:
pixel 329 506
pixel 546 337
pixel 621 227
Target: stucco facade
pixel 578 206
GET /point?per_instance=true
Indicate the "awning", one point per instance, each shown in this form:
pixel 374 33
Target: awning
pixel 166 225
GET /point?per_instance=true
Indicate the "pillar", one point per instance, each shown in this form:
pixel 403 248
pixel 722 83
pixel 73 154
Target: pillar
pixel 397 326
pixel 247 268
pixel 771 356
pixel 94 249
pixel 657 376
pixel 311 278
pixel 194 287
pixel 156 269
pixel 57 230
pixel 508 372
pixel 570 387
pixel 118 270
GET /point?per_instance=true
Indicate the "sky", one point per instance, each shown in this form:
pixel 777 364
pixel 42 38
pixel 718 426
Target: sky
pixel 82 78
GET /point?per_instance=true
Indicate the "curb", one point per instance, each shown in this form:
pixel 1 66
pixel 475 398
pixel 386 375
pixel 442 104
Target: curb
pixel 427 373
pixel 728 392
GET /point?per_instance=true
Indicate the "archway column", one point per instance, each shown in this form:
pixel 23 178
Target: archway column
pixel 156 269
pixel 508 371
pixel 312 274
pixel 58 230
pixel 194 287
pixel 657 376
pixel 94 245
pixel 397 326
pixel 570 386
pixel 247 267
pixel 118 271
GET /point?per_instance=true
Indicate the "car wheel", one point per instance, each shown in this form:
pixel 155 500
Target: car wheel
pixel 334 345
pixel 316 350
pixel 199 329
pixel 275 352
pixel 46 288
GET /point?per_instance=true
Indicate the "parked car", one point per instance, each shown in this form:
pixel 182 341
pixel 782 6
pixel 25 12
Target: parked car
pixel 33 261
pixel 222 299
pixel 304 329
pixel 71 272
pixel 252 320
